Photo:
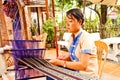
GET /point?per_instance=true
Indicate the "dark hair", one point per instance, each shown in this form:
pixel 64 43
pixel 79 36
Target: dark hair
pixel 77 13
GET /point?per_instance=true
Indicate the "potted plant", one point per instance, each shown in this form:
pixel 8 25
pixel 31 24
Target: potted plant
pixel 48 28
pixel 33 29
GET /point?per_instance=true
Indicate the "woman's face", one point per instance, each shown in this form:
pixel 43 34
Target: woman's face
pixel 72 24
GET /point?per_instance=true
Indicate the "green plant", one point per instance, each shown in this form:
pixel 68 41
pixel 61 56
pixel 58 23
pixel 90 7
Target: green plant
pixel 49 29
pixel 33 29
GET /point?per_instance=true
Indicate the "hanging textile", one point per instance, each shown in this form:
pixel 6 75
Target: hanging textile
pixel 10 9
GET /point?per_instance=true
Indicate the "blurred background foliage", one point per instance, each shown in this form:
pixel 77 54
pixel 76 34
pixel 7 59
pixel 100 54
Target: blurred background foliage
pixel 101 23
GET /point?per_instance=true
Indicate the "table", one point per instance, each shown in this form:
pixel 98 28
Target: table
pixel 115 51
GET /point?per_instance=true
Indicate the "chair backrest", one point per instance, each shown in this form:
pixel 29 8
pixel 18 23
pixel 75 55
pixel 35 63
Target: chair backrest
pixel 66 36
pixel 42 37
pixel 95 36
pixel 102 52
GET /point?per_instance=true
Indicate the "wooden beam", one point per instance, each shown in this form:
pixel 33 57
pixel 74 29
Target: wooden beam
pixel 23 20
pixel 55 29
pixel 47 10
pixel 3 28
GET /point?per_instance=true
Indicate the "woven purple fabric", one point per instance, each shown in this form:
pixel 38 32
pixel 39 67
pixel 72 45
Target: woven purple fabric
pixel 25 49
pixel 17 36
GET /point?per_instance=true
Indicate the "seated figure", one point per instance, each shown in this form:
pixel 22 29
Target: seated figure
pixel 4 60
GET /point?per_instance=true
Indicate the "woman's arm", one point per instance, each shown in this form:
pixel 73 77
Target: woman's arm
pixel 81 65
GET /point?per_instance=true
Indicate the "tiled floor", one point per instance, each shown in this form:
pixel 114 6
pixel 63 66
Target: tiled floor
pixel 111 71
pixel 107 76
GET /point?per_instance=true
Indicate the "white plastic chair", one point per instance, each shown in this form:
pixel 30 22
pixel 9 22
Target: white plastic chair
pixel 95 36
pixel 64 42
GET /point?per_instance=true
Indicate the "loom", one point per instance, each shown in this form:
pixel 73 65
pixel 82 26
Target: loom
pixel 30 63
pixel 25 49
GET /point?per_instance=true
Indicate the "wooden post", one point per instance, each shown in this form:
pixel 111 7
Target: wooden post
pixel 3 28
pixel 38 30
pixel 23 19
pixel 55 29
pixel 47 10
pixel 40 16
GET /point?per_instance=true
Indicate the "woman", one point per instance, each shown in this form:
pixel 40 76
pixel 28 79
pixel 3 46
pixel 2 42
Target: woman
pixel 82 51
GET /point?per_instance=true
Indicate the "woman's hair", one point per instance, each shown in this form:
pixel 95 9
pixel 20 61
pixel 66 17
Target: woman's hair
pixel 76 13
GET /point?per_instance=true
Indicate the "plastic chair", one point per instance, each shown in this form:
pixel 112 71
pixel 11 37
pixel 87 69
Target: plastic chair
pixel 95 36
pixel 42 37
pixel 64 42
pixel 102 52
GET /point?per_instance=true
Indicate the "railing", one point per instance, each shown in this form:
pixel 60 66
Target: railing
pixel 34 1
pixel 109 32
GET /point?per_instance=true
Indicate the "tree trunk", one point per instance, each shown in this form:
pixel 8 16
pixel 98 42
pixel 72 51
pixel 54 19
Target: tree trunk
pixel 103 20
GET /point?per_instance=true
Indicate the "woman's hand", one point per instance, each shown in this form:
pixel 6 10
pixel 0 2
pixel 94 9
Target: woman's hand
pixel 57 62
pixel 54 61
pixel 63 56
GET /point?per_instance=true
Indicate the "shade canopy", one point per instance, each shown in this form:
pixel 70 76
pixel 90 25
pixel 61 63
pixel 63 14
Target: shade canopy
pixel 106 2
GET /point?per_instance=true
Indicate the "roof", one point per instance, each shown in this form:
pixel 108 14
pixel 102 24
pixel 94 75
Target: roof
pixel 106 2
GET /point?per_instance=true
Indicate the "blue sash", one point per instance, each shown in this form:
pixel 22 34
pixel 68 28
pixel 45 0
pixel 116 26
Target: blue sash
pixel 73 47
